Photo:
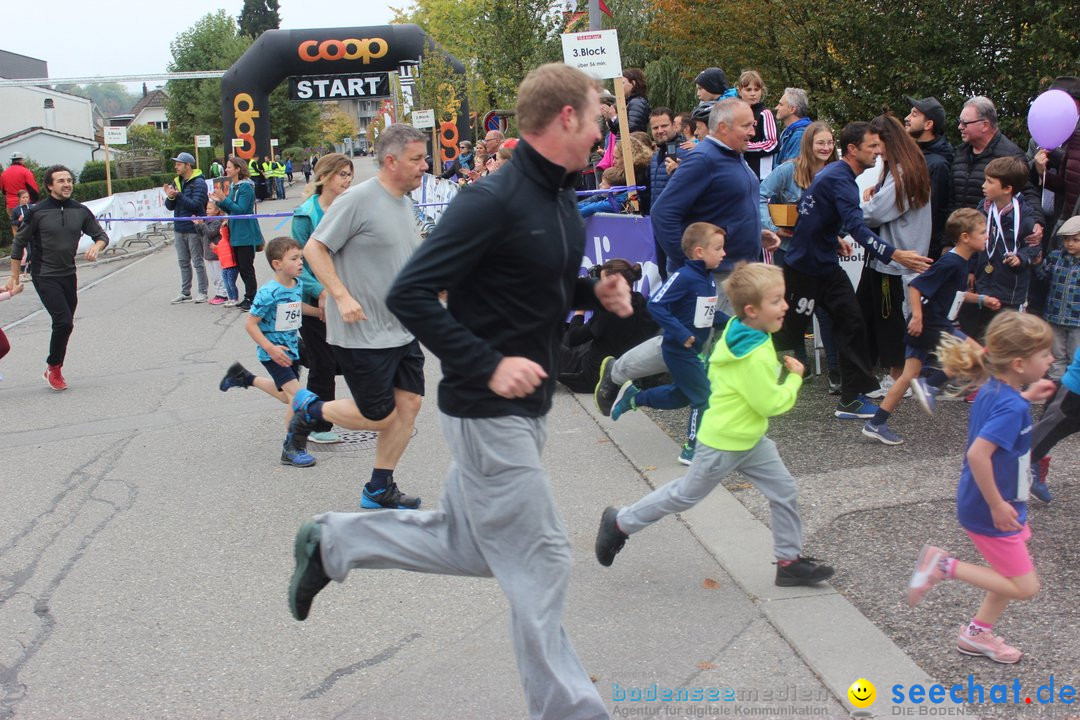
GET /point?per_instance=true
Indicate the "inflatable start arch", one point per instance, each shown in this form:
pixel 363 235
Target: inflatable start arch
pixel 280 54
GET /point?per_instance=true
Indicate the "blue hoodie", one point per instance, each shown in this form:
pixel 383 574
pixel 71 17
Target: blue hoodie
pixel 685 305
pixel 829 204
pixel 789 142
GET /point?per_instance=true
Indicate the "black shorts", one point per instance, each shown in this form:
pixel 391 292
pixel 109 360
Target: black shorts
pixel 372 376
pixel 281 374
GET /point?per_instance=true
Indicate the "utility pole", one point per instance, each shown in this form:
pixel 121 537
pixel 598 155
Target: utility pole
pixel 594 15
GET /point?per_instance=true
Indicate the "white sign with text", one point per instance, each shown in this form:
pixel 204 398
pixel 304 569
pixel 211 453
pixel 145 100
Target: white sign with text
pixel 595 53
pixel 423 119
pixel 116 136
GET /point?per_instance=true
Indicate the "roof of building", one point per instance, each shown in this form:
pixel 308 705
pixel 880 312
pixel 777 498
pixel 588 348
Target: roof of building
pixel 39 129
pixel 154 98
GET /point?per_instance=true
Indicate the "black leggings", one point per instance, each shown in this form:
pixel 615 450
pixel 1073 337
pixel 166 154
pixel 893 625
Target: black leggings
pixel 321 363
pixel 1060 420
pixel 245 266
pixel 59 296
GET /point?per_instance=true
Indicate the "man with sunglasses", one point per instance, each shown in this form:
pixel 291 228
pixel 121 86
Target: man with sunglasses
pixel 981 142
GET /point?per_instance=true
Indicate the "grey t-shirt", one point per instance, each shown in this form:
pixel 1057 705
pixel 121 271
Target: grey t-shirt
pixel 370 235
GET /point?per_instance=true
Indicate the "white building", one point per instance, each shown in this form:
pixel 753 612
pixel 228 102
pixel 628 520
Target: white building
pixel 47 126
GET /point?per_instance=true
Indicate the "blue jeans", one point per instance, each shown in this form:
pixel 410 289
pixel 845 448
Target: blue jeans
pixel 228 276
pixel 280 187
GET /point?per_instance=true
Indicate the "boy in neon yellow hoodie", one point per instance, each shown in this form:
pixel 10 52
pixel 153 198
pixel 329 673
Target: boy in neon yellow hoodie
pixel 744 394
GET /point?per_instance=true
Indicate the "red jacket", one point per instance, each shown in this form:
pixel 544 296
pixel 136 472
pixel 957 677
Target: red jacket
pixel 223 248
pixel 15 178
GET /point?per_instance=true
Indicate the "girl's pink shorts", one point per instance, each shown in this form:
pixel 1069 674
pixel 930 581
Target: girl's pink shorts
pixel 1008 554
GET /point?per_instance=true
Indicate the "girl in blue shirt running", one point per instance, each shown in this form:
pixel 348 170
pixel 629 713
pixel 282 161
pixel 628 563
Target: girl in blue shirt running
pixel 991 499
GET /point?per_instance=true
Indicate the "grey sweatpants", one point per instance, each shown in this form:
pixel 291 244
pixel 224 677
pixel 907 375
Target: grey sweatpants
pixel 761 463
pixel 497 518
pixel 189 253
pixel 646 358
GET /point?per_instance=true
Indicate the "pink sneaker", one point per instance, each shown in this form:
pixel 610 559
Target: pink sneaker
pixel 216 300
pixel 928 573
pixel 988 644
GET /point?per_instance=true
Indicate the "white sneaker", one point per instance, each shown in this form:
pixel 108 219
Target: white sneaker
pixel 230 303
pixel 200 298
pixel 181 298
pixel 886 383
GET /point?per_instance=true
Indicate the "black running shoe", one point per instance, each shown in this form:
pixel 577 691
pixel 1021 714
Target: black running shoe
pixel 606 389
pixel 609 538
pixel 244 305
pixel 234 377
pixel 804 571
pixel 309 577
pixel 389 498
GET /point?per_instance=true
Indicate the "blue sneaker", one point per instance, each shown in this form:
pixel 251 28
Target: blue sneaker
pixel 926 394
pixel 686 456
pixel 295 454
pixel 234 377
pixel 858 409
pixel 1039 470
pixel 881 432
pixel 300 402
pixel 624 401
pixel 389 498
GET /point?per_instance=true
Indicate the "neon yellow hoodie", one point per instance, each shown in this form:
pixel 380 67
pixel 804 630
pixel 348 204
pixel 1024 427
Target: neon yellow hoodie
pixel 744 391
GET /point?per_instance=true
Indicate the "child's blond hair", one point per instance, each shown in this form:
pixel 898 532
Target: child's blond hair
pixel 1009 336
pixel 748 284
pixel 963 220
pixel 699 234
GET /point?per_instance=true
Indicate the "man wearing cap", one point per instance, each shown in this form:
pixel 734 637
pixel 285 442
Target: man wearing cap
pixel 926 124
pixel 187 197
pixel 18 177
pixel 794 111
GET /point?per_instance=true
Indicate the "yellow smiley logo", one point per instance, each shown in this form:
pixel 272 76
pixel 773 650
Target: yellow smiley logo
pixel 862 693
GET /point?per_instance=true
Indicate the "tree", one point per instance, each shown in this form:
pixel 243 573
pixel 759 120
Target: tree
pixel 194 106
pixel 857 56
pixel 258 16
pixel 110 98
pixel 335 125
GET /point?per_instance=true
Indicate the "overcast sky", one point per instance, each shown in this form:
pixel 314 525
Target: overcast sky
pixel 125 37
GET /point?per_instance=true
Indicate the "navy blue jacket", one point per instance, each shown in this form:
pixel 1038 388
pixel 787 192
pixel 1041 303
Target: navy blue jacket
pixel 190 201
pixel 686 296
pixel 829 204
pixel 713 184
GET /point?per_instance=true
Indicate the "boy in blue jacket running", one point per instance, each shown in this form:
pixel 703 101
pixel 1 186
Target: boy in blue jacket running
pixel 685 309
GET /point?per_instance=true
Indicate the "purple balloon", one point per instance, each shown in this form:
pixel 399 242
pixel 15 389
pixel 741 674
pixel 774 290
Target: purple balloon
pixel 1052 118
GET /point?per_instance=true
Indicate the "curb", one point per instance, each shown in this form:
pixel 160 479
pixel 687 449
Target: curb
pixel 829 634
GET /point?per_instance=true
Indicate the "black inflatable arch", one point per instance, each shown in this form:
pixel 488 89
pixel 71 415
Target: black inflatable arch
pixel 279 54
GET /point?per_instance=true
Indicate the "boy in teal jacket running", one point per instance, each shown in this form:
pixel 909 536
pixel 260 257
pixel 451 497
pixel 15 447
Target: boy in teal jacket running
pixel 744 394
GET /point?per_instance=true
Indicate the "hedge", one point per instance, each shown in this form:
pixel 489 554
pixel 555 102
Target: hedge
pixel 96 189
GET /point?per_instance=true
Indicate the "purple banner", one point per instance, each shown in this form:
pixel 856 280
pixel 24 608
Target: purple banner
pixel 630 237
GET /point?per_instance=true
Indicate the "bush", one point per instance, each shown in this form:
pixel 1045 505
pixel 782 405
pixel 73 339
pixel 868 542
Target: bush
pixel 95 170
pixel 96 189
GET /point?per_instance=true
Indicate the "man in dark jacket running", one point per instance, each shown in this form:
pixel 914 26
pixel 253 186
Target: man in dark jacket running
pixel 511 281
pixel 926 124
pixel 52 230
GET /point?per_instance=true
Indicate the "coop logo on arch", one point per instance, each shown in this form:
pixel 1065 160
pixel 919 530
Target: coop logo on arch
pixel 365 50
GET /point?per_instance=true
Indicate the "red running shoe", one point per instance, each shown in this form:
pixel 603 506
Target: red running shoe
pixel 54 377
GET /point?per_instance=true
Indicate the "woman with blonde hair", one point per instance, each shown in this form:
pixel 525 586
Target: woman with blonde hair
pixel 333 175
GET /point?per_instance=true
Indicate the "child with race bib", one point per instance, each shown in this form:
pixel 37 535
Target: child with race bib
pixel 995 482
pixel 685 308
pixel 274 324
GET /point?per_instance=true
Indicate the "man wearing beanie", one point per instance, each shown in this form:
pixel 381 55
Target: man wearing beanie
pixel 711 85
